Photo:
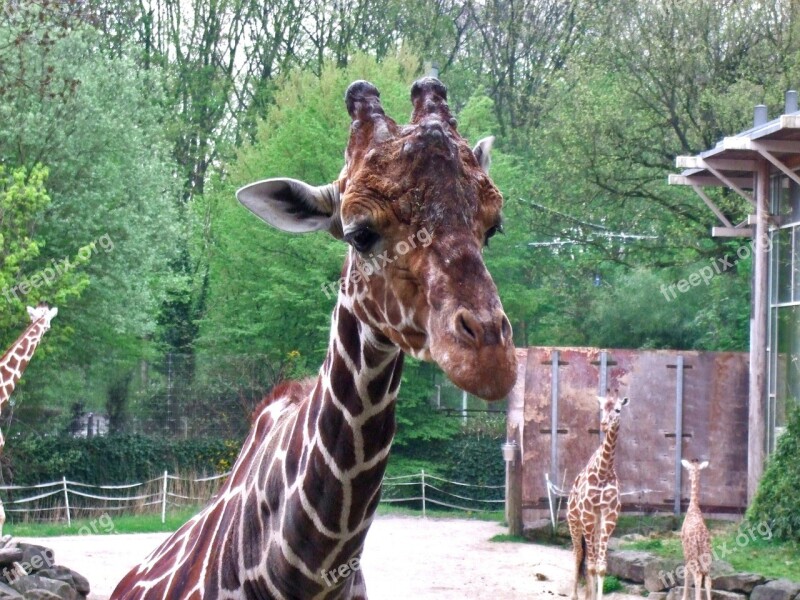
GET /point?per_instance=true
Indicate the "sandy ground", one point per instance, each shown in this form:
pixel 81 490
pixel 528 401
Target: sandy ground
pixel 406 558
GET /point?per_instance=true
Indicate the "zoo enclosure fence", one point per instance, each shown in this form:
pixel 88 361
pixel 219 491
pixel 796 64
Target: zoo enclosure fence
pixel 66 500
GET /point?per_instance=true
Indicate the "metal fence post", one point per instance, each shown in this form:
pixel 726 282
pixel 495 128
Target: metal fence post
pixel 164 498
pixel 66 500
pixel 678 433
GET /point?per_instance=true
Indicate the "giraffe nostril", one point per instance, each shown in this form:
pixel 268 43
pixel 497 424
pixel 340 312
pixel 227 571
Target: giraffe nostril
pixel 465 328
pixel 505 329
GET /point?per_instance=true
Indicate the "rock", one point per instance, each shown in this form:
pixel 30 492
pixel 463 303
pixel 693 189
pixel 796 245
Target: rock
pixel 76 580
pixel 40 595
pixel 676 593
pixel 9 556
pixel 661 574
pixel 35 558
pixel 779 589
pixel 628 564
pixel 634 589
pixel 657 596
pixel 737 582
pixel 9 593
pixel 34 583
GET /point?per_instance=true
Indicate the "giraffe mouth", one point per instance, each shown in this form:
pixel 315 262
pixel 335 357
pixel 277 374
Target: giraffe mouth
pixel 488 371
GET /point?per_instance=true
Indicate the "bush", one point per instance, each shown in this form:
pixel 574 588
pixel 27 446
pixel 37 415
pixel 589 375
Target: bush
pixel 114 459
pixel 777 502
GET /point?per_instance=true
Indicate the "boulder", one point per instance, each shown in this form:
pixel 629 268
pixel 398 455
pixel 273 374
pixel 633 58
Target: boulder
pixel 9 593
pixel 75 579
pixel 657 596
pixel 778 589
pixel 9 556
pixel 40 595
pixel 35 558
pixel 737 582
pixel 628 564
pixel 34 583
pixel 661 574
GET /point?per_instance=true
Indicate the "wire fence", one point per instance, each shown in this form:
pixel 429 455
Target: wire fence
pixel 66 500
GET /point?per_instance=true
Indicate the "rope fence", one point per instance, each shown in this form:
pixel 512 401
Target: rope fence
pixel 65 500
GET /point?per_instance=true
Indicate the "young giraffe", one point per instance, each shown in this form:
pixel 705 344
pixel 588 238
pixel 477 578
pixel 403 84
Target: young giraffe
pixel 695 538
pixel 593 505
pixel 16 358
pixel 291 520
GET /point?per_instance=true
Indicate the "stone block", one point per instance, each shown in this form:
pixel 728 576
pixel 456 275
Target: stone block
pixel 777 589
pixel 738 582
pixel 628 564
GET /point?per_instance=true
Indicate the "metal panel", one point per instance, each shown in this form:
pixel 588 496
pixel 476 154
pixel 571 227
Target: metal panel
pixel 713 418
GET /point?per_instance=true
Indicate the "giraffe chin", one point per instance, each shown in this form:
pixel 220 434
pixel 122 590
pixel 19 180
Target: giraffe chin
pixel 488 372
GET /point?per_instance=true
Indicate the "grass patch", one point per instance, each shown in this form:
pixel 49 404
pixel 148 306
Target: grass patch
pixel 611 584
pixel 104 525
pixel 507 538
pixel 743 549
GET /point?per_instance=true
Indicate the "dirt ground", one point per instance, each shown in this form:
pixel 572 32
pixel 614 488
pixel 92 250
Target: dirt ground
pixel 406 558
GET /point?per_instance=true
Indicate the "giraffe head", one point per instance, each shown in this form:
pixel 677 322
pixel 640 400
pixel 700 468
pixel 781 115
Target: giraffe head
pixel 694 467
pixel 610 409
pixel 43 312
pixel 416 206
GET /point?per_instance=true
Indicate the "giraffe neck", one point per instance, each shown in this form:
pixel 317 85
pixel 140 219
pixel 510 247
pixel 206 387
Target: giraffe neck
pixel 607 452
pixel 694 497
pixel 17 357
pixel 338 451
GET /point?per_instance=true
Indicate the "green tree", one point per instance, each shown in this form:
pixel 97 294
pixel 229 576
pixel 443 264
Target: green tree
pixel 97 124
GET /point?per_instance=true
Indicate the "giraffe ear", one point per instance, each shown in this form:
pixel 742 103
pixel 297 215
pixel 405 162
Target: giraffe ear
pixel 294 206
pixel 703 465
pixel 686 464
pixel 482 151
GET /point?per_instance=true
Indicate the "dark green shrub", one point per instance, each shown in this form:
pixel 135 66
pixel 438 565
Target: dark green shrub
pixel 114 459
pixel 777 502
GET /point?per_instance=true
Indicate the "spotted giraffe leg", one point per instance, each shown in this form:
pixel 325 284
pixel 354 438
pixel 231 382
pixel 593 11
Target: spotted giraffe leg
pixel 698 584
pixel 686 576
pixel 590 535
pixel 2 518
pixel 576 533
pixel 708 585
pixel 604 533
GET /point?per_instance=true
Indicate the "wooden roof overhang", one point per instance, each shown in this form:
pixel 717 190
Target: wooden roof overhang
pixel 733 162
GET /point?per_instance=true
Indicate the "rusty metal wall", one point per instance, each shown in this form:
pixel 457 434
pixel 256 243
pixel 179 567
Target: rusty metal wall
pixel 714 423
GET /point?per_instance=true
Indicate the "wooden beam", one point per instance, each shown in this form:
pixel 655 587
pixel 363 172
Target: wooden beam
pixel 732 232
pixel 723 164
pixel 708 180
pixel 710 203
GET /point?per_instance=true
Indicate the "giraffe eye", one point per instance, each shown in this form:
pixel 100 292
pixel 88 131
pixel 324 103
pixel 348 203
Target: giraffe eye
pixel 490 233
pixel 362 239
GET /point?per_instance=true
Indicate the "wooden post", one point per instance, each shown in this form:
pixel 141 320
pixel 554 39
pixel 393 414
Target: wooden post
pixel 514 486
pixel 164 498
pixel 424 508
pixel 756 436
pixel 66 500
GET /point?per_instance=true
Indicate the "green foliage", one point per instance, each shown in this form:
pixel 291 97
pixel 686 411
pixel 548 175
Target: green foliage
pixel 611 584
pixel 777 502
pixel 114 459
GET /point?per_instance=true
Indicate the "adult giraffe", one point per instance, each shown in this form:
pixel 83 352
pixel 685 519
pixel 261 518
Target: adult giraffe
pixel 416 206
pixel 593 505
pixel 16 359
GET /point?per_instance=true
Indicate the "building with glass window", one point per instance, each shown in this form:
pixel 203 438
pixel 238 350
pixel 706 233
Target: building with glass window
pixel 762 166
